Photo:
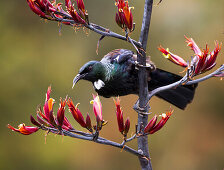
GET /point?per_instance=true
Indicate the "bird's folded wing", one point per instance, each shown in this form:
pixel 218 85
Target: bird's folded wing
pixel 118 56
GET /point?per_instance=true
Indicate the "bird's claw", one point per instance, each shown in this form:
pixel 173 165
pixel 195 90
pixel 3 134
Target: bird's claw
pixel 148 66
pixel 141 110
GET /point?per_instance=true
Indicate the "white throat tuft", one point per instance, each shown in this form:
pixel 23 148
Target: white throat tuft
pixel 98 84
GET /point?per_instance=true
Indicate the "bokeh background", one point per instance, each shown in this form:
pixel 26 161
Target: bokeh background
pixel 33 56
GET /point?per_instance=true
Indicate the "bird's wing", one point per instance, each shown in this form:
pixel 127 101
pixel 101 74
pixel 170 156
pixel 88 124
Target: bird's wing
pixel 148 60
pixel 118 56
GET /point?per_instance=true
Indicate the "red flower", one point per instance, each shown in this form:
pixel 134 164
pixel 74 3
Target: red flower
pixel 48 109
pixel 25 130
pixel 79 18
pixel 97 109
pixel 88 123
pixel 201 62
pixel 76 113
pixel 61 113
pixel 48 119
pixel 190 42
pixel 172 57
pixel 43 8
pixel 81 8
pixel 36 123
pixel 66 124
pixel 126 126
pixel 152 127
pixel 123 128
pixel 79 117
pixel 124 17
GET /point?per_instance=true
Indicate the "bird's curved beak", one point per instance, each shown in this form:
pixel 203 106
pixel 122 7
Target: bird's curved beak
pixel 77 78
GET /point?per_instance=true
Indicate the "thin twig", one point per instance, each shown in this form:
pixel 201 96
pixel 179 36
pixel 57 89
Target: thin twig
pixel 98 140
pixel 185 78
pixel 97 29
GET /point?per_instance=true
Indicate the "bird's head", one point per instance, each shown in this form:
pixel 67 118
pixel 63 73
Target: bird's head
pixel 91 71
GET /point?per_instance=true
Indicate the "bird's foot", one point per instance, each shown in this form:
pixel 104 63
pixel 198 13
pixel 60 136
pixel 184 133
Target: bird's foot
pixel 141 110
pixel 148 66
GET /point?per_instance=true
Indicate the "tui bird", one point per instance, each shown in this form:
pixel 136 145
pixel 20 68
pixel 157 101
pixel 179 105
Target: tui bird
pixel 117 75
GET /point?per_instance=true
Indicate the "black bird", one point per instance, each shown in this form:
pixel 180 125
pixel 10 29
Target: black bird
pixel 117 75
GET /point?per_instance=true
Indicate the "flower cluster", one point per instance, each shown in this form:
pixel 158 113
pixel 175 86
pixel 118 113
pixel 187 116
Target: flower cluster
pixel 52 11
pixel 124 17
pixel 202 61
pixel 47 118
pixel 43 8
pixel 80 16
pixel 123 127
pixel 152 127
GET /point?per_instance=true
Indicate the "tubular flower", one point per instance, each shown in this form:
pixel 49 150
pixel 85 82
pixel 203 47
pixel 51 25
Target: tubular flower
pixel 123 128
pixel 79 17
pixel 190 42
pixel 76 113
pixel 47 118
pixel 53 11
pixel 124 17
pixel 201 62
pixel 25 130
pixel 48 109
pixel 81 7
pixel 88 123
pixel 172 57
pixel 36 123
pixel 66 124
pixel 152 127
pixel 126 126
pixel 43 8
pixel 97 109
pixel 61 113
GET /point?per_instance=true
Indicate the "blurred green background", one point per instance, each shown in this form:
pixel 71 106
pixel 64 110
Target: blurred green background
pixel 34 56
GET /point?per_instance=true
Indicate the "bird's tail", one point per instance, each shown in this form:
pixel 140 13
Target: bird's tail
pixel 180 96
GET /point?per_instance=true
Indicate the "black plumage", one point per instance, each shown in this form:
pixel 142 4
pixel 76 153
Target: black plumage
pixel 117 75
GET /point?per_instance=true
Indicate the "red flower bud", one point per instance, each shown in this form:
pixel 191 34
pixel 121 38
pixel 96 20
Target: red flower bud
pixel 43 122
pixel 88 123
pixel 126 126
pixel 201 62
pixel 119 113
pixel 190 42
pixel 61 113
pixel 97 108
pixel 43 8
pixel 152 127
pixel 172 57
pixel 76 113
pixel 124 17
pixel 123 128
pixel 75 15
pixel 66 124
pixel 25 130
pixel 36 123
